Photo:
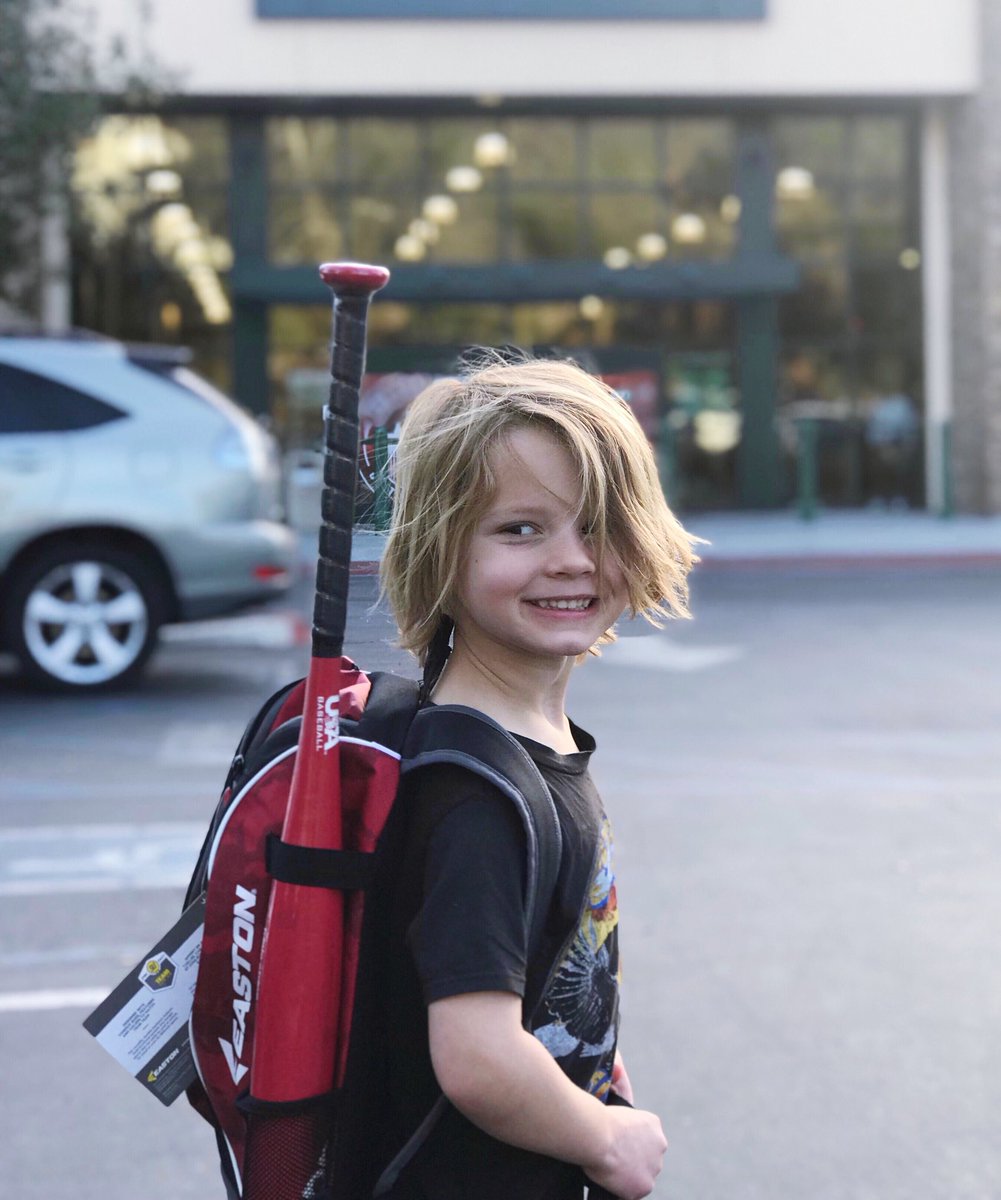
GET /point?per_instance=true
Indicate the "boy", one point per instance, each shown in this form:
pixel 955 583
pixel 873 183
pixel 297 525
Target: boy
pixel 529 515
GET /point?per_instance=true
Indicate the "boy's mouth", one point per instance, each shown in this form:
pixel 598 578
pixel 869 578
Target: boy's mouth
pixel 575 604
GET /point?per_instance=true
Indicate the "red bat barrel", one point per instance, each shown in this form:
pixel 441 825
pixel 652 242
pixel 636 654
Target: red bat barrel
pixel 298 995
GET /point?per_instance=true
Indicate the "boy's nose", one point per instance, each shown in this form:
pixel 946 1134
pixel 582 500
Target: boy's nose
pixel 571 554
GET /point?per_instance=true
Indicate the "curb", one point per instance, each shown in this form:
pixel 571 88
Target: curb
pixel 881 560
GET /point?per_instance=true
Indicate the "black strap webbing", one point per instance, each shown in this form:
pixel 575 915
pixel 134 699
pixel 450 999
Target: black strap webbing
pixel 346 870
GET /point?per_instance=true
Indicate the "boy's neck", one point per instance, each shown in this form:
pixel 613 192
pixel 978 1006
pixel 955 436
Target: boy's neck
pixel 530 704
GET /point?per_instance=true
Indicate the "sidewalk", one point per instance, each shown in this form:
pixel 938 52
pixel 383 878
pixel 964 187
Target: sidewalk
pixel 832 539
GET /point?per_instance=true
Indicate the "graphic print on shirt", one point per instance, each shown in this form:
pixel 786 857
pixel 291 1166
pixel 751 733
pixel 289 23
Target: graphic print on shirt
pixel 580 1008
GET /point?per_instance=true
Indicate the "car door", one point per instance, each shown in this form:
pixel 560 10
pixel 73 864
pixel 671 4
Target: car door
pixel 37 416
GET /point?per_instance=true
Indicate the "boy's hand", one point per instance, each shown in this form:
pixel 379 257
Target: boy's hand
pixel 631 1160
pixel 506 1082
pixel 620 1080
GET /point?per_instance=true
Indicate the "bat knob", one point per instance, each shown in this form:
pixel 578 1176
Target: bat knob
pixel 353 279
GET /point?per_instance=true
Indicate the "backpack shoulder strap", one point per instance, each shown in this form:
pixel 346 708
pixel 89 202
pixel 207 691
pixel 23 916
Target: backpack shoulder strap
pixel 465 737
pixel 389 710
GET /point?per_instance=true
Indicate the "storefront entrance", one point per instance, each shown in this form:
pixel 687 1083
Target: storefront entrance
pixel 674 362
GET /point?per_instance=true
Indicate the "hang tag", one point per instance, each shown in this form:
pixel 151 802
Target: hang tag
pixel 143 1024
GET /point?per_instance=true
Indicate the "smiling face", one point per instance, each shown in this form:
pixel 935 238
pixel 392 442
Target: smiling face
pixel 530 587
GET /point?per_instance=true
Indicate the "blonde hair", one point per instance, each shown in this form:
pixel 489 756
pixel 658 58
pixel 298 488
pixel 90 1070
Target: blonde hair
pixel 445 481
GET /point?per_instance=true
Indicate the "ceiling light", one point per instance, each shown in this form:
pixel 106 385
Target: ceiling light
pixel 491 150
pixel 463 179
pixel 163 182
pixel 441 209
pixel 617 257
pixel 730 209
pixel 689 229
pixel 591 307
pixel 910 259
pixel 651 246
pixel 795 183
pixel 426 231
pixel 408 248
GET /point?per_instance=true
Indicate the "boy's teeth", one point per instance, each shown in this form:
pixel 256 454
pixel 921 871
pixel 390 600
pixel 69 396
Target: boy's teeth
pixel 579 604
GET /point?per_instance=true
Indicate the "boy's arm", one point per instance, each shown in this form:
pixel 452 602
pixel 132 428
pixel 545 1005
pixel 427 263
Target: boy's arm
pixel 506 1082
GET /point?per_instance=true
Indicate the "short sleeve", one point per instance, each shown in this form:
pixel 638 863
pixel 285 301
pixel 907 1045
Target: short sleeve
pixel 470 932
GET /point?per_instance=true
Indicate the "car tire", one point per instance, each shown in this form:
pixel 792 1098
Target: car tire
pixel 83 616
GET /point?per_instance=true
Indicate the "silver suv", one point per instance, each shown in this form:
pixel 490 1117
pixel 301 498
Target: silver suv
pixel 132 494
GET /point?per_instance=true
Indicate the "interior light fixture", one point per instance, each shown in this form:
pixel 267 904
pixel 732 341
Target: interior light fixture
pixel 591 307
pixel 463 179
pixel 163 182
pixel 730 208
pixel 491 149
pixel 689 229
pixel 910 259
pixel 651 246
pixel 425 230
pixel 617 258
pixel 795 183
pixel 441 209
pixel 409 248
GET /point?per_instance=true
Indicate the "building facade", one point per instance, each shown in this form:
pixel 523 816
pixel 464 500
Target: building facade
pixel 774 217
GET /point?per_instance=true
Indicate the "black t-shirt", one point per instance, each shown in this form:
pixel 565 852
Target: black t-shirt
pixel 461 927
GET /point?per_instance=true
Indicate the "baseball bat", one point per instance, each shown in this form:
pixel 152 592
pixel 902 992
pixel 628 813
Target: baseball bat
pixel 299 983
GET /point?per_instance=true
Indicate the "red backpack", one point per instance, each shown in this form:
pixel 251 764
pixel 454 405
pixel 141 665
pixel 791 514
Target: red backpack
pixel 385 736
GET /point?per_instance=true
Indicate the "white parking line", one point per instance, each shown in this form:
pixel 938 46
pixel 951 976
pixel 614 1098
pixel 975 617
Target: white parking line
pixel 47 860
pixel 661 654
pixel 53 998
pixel 280 630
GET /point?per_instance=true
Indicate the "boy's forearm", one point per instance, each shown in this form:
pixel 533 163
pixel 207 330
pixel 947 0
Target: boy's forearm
pixel 509 1085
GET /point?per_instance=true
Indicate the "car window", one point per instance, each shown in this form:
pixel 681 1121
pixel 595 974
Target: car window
pixel 31 403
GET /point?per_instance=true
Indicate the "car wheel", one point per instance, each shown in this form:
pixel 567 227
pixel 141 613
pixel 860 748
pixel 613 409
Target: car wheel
pixel 83 616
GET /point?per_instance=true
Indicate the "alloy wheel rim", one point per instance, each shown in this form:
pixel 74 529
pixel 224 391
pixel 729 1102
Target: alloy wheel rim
pixel 85 622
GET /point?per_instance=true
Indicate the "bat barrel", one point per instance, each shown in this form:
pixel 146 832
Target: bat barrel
pixel 353 285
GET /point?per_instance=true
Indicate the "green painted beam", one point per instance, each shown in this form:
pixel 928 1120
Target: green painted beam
pixel 745 275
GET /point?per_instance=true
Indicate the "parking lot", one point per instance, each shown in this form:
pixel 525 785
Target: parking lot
pixel 804 787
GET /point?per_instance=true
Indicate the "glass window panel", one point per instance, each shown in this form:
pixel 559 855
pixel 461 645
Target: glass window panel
pixel 473 236
pixel 880 148
pixel 889 387
pixel 821 385
pixel 811 225
pixel 880 222
pixel 699 155
pixel 819 308
pixel 391 323
pixel 818 144
pixel 302 149
pixel 622 149
pixel 635 322
pixel 707 236
pixel 207 156
pixel 465 324
pixel 544 225
pixel 382 151
pixel 543 149
pixel 304 226
pixel 809 373
pixel 451 143
pixel 559 323
pixel 622 218
pixel 210 209
pixel 888 302
pixel 378 219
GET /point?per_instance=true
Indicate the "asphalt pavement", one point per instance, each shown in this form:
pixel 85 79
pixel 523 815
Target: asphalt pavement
pixel 804 786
